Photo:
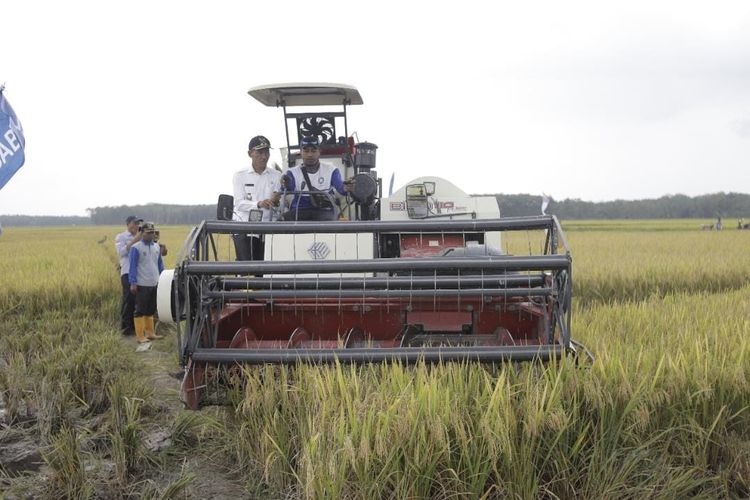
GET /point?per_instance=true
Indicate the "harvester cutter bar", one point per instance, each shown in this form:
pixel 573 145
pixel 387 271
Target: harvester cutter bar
pixel 409 355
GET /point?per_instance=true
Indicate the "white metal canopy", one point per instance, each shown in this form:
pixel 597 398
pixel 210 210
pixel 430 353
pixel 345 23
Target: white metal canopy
pixel 306 94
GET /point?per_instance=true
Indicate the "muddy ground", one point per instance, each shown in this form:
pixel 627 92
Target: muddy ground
pixel 24 473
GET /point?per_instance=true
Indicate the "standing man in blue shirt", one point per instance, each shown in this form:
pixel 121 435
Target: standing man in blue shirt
pixel 145 267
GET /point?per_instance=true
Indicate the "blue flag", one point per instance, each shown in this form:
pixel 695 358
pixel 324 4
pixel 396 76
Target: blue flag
pixel 12 142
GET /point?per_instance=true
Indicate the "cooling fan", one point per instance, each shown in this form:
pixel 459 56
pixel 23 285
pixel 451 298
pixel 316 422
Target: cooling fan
pixel 320 126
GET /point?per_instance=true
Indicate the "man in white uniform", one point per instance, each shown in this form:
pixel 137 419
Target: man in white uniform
pixel 255 188
pixel 123 242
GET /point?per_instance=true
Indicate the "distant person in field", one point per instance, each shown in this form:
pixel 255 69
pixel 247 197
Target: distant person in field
pixel 145 267
pixel 255 188
pixel 123 242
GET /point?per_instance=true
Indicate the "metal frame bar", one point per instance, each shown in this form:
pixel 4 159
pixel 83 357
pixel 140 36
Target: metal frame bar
pixel 353 294
pixel 335 114
pixel 390 282
pixel 494 263
pixel 410 226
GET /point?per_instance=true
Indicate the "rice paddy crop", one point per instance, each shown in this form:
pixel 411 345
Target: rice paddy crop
pixel 663 411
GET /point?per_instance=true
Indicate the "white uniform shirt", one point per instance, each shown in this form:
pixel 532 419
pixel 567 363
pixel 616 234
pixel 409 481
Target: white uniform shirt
pixel 251 187
pixel 121 246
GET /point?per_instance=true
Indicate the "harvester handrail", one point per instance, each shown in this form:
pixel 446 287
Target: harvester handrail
pixel 400 226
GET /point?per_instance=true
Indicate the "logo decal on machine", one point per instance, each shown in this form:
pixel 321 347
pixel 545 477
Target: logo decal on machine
pixel 319 250
pixel 441 205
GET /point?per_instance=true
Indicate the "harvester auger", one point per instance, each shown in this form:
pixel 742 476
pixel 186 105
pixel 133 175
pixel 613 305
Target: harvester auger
pixel 415 277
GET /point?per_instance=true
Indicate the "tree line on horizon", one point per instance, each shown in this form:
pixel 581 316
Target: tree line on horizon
pixel 709 206
pixel 678 206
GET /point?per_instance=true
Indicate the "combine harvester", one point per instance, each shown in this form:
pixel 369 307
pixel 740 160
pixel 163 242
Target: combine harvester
pixel 416 276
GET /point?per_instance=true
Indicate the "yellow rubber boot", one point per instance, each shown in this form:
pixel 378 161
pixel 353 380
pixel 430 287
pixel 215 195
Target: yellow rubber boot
pixel 140 329
pixel 151 329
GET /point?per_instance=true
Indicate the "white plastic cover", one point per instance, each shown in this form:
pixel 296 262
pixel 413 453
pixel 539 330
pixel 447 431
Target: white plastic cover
pixel 164 296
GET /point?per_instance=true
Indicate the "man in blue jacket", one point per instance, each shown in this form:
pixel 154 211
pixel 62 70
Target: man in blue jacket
pixel 316 177
pixel 145 267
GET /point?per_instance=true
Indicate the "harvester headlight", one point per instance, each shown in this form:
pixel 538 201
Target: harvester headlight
pixel 365 189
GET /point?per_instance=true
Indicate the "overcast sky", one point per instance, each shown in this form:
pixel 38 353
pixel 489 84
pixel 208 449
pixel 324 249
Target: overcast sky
pixel 146 101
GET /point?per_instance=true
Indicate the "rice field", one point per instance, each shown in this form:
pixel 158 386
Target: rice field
pixel 663 411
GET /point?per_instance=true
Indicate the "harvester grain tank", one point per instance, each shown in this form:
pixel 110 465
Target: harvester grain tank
pixel 418 276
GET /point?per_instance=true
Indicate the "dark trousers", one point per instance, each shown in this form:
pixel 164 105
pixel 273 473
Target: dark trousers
pixel 145 301
pixel 248 247
pixel 127 307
